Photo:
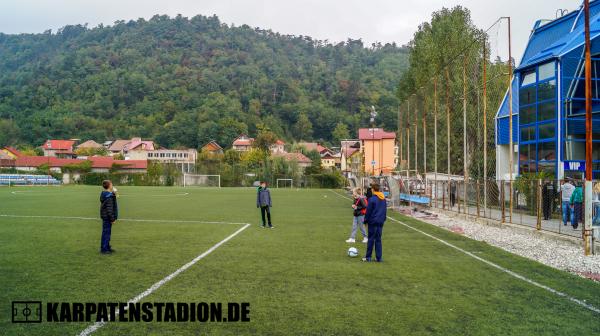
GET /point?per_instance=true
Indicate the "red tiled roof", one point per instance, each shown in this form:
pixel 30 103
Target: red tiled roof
pixel 243 140
pixel 322 149
pixel 135 143
pixel 132 164
pixel 351 151
pixel 59 144
pixel 97 162
pixel 375 133
pixel 212 146
pixel 89 144
pixel 13 151
pixel 310 146
pixel 279 142
pixel 301 158
pixel 118 145
pixel 36 161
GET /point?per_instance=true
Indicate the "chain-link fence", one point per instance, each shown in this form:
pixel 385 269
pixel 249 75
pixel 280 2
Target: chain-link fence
pixel 546 205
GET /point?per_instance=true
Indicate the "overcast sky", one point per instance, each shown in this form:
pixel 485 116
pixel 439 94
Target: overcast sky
pixel 335 20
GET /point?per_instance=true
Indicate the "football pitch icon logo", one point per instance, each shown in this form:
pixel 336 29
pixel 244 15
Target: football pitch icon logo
pixel 26 311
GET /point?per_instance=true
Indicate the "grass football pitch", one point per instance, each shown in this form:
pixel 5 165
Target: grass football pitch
pixel 297 277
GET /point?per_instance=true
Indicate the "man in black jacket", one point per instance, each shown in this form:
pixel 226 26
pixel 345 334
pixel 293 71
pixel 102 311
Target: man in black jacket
pixel 108 213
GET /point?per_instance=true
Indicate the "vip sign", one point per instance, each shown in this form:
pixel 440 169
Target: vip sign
pixel 579 166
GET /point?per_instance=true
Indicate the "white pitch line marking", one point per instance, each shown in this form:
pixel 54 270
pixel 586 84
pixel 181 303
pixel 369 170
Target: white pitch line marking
pixel 503 269
pixel 19 192
pixel 124 219
pixel 89 330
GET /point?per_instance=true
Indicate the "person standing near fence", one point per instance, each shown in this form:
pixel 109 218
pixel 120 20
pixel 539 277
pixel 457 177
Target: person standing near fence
pixel 577 205
pixel 452 193
pixel 548 195
pixel 263 202
pixel 359 207
pixel 566 191
pixel 596 204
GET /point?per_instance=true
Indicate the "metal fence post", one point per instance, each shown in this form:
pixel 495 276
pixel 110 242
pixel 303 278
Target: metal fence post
pixel 478 199
pixel 539 205
pixel 502 195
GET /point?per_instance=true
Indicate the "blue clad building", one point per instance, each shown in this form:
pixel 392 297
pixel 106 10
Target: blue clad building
pixel 548 105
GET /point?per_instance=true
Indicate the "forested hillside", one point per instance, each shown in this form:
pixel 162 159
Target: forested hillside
pixel 183 82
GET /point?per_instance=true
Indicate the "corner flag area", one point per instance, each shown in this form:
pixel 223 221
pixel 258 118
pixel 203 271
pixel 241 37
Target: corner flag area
pixel 193 245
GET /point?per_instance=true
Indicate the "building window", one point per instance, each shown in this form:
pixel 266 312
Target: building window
pixel 537 119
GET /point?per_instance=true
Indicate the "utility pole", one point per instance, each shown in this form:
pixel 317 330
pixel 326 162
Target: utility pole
pixel 416 134
pixel 587 223
pixel 424 135
pixel 373 115
pixel 408 139
pixel 484 126
pixel 435 168
pixel 465 172
pixel 510 126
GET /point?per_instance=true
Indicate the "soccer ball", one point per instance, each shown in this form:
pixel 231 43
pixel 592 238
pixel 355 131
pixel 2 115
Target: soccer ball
pixel 352 252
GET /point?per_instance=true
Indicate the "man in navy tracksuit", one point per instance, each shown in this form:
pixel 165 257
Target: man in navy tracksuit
pixel 109 214
pixel 375 218
pixel 263 201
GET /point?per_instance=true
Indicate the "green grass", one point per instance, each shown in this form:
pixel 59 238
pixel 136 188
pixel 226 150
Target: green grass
pixel 297 277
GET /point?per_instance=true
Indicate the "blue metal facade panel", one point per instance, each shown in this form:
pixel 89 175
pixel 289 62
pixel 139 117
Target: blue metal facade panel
pixel 503 136
pixel 503 110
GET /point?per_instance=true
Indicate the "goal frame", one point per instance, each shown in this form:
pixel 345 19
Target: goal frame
pixel 285 179
pixel 201 175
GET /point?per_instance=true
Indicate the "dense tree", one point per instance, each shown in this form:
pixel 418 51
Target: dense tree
pixel 341 132
pixel 183 81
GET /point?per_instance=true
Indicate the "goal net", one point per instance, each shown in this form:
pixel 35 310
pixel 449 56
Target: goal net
pixel 197 180
pixel 285 183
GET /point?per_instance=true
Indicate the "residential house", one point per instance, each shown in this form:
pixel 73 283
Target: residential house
pixel 9 153
pixel 351 158
pixel 302 160
pixel 379 149
pixel 243 143
pixel 314 146
pixel 117 147
pixel 278 147
pixel 59 148
pixel 90 144
pixel 328 161
pixel 124 147
pixel 212 147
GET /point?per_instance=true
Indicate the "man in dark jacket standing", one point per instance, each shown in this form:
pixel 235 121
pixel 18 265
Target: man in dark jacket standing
pixel 263 201
pixel 108 213
pixel 375 218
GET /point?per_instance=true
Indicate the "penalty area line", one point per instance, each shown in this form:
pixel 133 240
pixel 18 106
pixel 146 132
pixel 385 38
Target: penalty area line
pixel 496 266
pixel 123 219
pixel 92 328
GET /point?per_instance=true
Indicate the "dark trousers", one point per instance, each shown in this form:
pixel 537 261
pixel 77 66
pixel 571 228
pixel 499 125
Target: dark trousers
pixel 105 240
pixel 577 214
pixel 375 231
pixel 452 199
pixel 267 210
pixel 547 207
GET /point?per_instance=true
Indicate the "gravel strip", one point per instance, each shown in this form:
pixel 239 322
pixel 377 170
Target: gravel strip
pixel 557 253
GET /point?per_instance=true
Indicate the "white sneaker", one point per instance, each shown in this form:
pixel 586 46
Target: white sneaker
pixel 350 240
pixel 365 240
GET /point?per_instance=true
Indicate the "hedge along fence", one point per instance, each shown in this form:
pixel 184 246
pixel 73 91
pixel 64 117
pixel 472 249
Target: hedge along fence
pixel 157 175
